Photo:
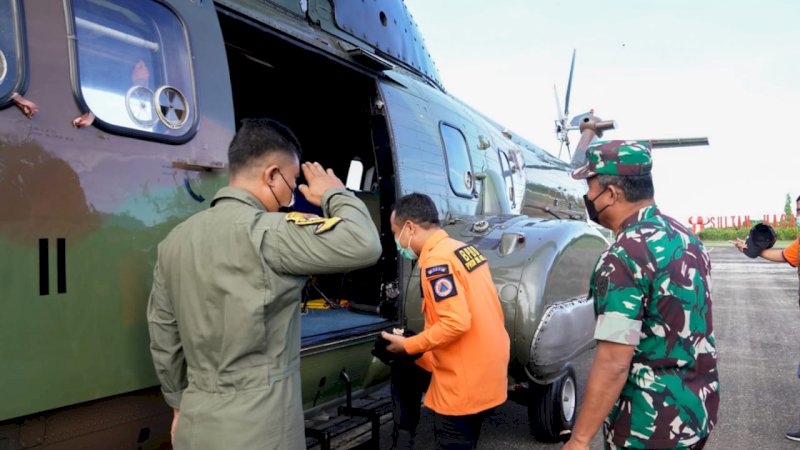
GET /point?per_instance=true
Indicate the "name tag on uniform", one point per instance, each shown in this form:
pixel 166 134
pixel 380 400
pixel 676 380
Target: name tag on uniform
pixel 437 270
pixel 470 257
pixel 323 223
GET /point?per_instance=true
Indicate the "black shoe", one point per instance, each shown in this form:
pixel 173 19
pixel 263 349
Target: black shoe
pixel 793 435
pixel 404 440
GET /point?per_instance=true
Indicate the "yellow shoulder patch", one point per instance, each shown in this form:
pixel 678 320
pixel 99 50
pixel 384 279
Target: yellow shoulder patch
pixel 323 223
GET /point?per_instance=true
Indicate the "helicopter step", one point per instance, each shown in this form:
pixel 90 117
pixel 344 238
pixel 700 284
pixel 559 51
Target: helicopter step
pixel 352 423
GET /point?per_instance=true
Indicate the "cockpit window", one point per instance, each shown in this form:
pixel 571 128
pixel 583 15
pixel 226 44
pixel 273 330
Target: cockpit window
pixel 12 62
pixel 459 166
pixel 134 70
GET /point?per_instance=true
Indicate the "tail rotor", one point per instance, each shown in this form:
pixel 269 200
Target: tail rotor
pixel 562 128
pixel 592 127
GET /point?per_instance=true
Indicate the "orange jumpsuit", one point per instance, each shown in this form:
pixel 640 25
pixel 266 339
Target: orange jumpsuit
pixel 465 344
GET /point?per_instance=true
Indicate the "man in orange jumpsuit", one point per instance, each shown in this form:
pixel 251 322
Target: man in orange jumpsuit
pixel 788 255
pixel 464 345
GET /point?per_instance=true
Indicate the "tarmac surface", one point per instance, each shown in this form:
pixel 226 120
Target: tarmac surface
pixel 756 325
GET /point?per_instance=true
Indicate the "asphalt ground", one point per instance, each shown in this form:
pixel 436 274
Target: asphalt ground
pixel 756 319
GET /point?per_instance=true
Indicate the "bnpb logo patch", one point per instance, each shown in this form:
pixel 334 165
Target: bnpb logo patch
pixel 443 287
pixel 470 257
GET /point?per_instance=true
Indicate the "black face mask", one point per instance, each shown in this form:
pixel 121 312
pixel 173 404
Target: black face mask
pixel 594 214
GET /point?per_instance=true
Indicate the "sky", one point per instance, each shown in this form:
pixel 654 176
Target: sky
pixel 728 70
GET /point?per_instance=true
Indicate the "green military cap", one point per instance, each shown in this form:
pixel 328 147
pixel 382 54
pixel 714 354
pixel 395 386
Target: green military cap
pixel 625 158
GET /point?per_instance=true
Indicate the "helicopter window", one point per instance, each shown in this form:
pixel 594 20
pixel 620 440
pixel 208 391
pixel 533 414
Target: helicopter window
pixel 505 166
pixel 459 166
pixel 134 68
pixel 354 175
pixel 12 66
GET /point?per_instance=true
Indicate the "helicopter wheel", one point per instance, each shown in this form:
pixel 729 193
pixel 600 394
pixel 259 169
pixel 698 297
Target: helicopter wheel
pixel 553 407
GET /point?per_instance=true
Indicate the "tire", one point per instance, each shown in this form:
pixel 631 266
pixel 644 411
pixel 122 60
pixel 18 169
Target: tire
pixel 553 407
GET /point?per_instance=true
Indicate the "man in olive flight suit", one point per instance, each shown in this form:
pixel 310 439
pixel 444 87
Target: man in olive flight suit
pixel 224 311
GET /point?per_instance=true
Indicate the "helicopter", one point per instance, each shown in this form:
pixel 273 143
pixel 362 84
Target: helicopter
pixel 105 147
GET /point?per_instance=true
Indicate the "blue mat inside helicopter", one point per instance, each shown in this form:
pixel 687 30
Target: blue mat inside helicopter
pixel 317 323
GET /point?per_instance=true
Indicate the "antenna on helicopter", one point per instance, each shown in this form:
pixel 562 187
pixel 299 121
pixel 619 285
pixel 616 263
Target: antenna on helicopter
pixel 562 129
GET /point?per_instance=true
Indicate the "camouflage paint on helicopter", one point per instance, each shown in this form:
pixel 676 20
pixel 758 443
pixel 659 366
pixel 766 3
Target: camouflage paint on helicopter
pixel 166 82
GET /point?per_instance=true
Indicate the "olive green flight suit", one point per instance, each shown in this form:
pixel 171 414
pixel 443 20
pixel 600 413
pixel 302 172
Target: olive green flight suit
pixel 224 314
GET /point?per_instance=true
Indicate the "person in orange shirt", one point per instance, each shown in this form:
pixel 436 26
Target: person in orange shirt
pixel 787 255
pixel 464 345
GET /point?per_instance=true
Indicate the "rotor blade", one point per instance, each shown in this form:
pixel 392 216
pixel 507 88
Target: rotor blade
pixel 678 142
pixel 569 85
pixel 558 105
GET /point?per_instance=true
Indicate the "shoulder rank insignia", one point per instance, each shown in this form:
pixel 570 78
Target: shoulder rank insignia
pixel 470 257
pixel 323 223
pixel 443 287
pixel 437 270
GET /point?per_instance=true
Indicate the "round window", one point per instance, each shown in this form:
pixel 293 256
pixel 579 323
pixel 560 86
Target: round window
pixel 3 66
pixel 139 102
pixel 171 107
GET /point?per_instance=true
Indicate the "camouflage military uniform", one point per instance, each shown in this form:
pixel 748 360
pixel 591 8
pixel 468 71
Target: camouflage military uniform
pixel 224 314
pixel 652 290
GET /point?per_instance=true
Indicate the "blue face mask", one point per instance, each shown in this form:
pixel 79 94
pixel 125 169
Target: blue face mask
pixel 797 221
pixel 405 252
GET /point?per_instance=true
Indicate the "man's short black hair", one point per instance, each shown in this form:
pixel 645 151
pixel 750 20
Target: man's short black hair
pixel 797 199
pixel 418 208
pixel 258 137
pixel 635 187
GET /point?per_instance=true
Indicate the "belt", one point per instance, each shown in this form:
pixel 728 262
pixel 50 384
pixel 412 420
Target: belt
pixel 241 379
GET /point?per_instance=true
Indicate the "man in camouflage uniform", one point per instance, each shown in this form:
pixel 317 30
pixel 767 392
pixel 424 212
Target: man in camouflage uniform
pixel 224 311
pixel 654 377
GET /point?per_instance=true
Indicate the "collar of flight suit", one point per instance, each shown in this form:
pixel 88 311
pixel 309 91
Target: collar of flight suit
pixel 237 194
pixel 431 242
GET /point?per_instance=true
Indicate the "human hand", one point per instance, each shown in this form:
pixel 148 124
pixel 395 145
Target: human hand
pixel 739 244
pixel 573 444
pixel 83 121
pixel 27 107
pixel 175 414
pixel 319 180
pixel 140 74
pixel 395 342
